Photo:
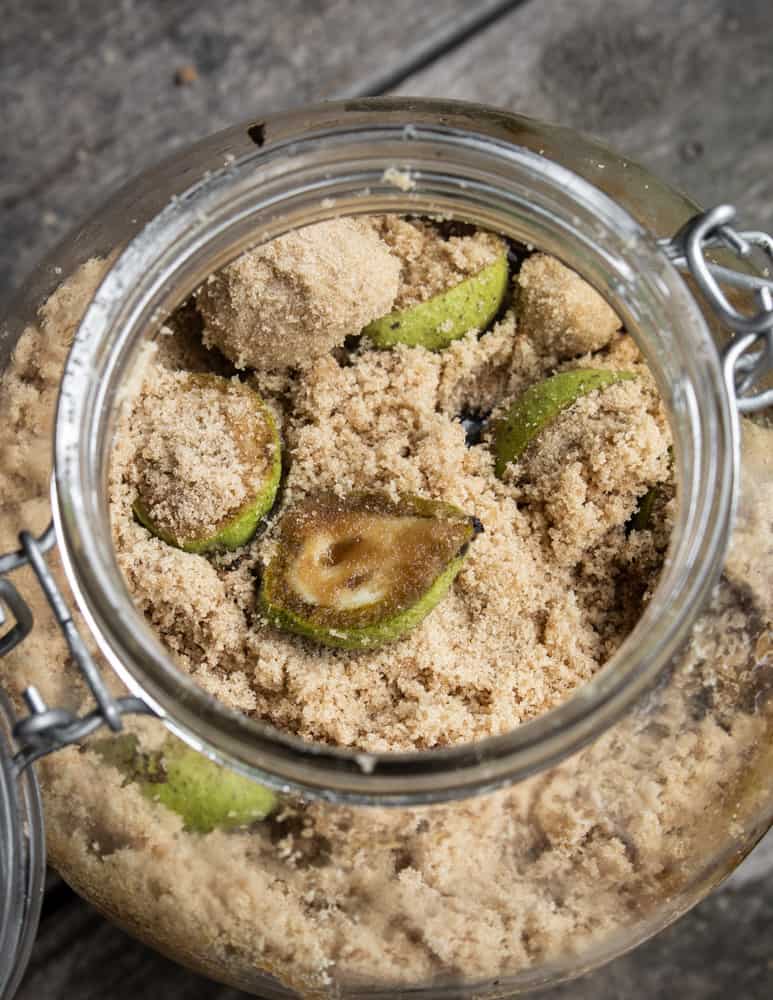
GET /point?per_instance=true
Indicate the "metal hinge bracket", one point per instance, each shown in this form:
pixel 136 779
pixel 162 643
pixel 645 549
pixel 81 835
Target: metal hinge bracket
pixel 45 729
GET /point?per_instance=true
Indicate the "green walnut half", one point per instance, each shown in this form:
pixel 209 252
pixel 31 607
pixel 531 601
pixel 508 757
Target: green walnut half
pixel 252 428
pixel 206 795
pixel 643 517
pixel 542 403
pixel 434 324
pixel 363 570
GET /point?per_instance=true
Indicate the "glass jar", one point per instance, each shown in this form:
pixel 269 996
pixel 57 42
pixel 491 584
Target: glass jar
pixel 22 860
pixel 483 869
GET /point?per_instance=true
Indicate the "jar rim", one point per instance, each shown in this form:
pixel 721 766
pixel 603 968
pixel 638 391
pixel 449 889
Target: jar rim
pixel 303 179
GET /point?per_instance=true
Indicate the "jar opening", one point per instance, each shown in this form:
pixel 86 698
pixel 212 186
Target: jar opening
pixel 443 171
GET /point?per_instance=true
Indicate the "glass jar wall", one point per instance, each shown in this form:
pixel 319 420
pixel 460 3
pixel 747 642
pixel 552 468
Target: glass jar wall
pixel 489 868
pixel 22 860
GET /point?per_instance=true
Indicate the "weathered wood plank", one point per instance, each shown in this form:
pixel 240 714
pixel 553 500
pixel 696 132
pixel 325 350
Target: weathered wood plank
pixel 88 92
pixel 684 87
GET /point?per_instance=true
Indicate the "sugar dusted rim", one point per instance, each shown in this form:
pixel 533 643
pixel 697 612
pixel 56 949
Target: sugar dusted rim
pixel 338 169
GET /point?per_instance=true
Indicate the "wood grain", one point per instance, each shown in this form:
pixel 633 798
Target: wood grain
pixel 685 87
pixel 88 94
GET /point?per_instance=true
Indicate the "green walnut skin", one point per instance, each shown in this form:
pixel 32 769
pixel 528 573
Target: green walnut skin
pixel 642 516
pixel 353 630
pixel 367 636
pixel 239 528
pixel 434 324
pixel 542 403
pixel 206 795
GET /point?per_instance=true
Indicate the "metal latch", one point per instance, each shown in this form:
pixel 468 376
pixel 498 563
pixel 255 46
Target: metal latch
pixel 748 356
pixel 45 729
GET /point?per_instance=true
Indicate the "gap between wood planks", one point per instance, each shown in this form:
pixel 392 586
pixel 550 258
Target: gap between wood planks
pixel 439 46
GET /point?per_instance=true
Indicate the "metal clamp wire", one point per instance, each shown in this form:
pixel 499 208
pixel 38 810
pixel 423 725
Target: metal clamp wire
pixel 12 599
pixel 740 375
pixel 13 560
pixel 77 647
pixel 743 365
pixel 45 729
pixel 695 236
pixel 51 729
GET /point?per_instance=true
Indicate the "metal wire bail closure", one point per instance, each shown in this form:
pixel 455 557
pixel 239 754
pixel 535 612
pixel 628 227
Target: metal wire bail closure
pixel 748 356
pixel 45 729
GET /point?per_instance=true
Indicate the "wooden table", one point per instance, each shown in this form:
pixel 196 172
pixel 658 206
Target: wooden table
pixel 92 91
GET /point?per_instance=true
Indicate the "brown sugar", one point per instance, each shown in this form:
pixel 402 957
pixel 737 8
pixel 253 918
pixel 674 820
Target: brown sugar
pixel 430 262
pixel 559 311
pixel 186 74
pixel 519 631
pixel 585 472
pixel 298 296
pixel 203 451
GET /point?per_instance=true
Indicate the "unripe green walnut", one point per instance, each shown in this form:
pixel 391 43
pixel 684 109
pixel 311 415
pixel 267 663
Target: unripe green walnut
pixel 165 497
pixel 470 305
pixel 542 403
pixel 206 795
pixel 361 571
